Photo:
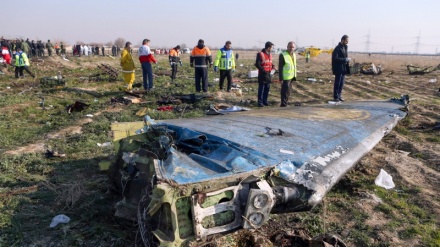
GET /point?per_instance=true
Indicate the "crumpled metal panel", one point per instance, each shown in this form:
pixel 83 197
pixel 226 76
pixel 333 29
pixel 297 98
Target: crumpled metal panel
pixel 312 146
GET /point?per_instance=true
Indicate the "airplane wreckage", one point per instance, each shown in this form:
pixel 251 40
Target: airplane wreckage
pixel 186 180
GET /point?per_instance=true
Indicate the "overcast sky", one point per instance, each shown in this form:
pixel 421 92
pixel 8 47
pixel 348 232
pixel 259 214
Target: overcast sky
pixel 392 25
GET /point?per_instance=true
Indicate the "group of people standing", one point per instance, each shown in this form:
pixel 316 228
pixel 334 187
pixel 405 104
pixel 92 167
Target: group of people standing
pixel 201 59
pixel 34 49
pixel 21 61
pixel 87 50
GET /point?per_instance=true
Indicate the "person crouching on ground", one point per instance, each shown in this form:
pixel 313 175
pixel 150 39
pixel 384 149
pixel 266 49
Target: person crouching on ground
pixel 22 63
pixel 127 65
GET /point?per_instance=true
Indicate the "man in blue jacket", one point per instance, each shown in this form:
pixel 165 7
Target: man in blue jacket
pixel 340 67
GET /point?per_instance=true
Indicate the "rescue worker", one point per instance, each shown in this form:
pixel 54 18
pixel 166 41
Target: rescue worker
pixel 57 49
pixel 22 63
pixel 127 65
pixel 307 56
pixel 199 59
pixel 264 65
pixel 287 71
pixel 225 61
pixel 5 55
pixel 174 58
pixel 49 48
pixel 340 67
pixel 146 58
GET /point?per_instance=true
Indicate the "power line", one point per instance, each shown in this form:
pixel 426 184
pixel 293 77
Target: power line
pixel 368 42
pixel 417 44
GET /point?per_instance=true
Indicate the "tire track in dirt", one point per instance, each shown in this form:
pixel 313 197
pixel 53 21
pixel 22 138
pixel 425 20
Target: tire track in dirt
pixel 40 146
pixel 420 108
pixel 305 89
pixel 380 90
pixel 406 88
pixel 362 94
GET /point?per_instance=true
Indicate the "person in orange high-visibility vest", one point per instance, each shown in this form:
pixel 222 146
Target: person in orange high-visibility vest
pixel 174 58
pixel 200 59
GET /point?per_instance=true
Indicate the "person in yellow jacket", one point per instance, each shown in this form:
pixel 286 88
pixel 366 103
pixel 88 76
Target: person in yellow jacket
pixel 22 63
pixel 226 63
pixel 287 71
pixel 127 64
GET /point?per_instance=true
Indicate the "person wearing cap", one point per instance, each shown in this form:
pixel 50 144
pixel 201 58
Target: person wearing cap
pixel 174 58
pixel 127 65
pixel 340 67
pixel 199 59
pixel 22 63
pixel 226 63
pixel 146 58
pixel 287 71
pixel 264 65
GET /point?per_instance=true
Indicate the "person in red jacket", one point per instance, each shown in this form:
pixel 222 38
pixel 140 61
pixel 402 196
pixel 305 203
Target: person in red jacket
pixel 6 57
pixel 146 58
pixel 264 65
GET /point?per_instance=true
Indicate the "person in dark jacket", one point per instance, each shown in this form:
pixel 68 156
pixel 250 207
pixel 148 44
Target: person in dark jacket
pixel 200 59
pixel 264 65
pixel 174 58
pixel 340 67
pixel 40 48
pixel 34 48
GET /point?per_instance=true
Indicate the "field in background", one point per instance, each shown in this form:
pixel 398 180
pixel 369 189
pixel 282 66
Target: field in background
pixel 34 189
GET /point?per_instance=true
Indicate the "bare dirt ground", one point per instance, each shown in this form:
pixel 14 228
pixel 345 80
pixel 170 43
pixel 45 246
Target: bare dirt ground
pixel 411 153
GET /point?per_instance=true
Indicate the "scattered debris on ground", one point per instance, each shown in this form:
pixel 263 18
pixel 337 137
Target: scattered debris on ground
pixel 77 107
pixel 416 70
pixel 108 73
